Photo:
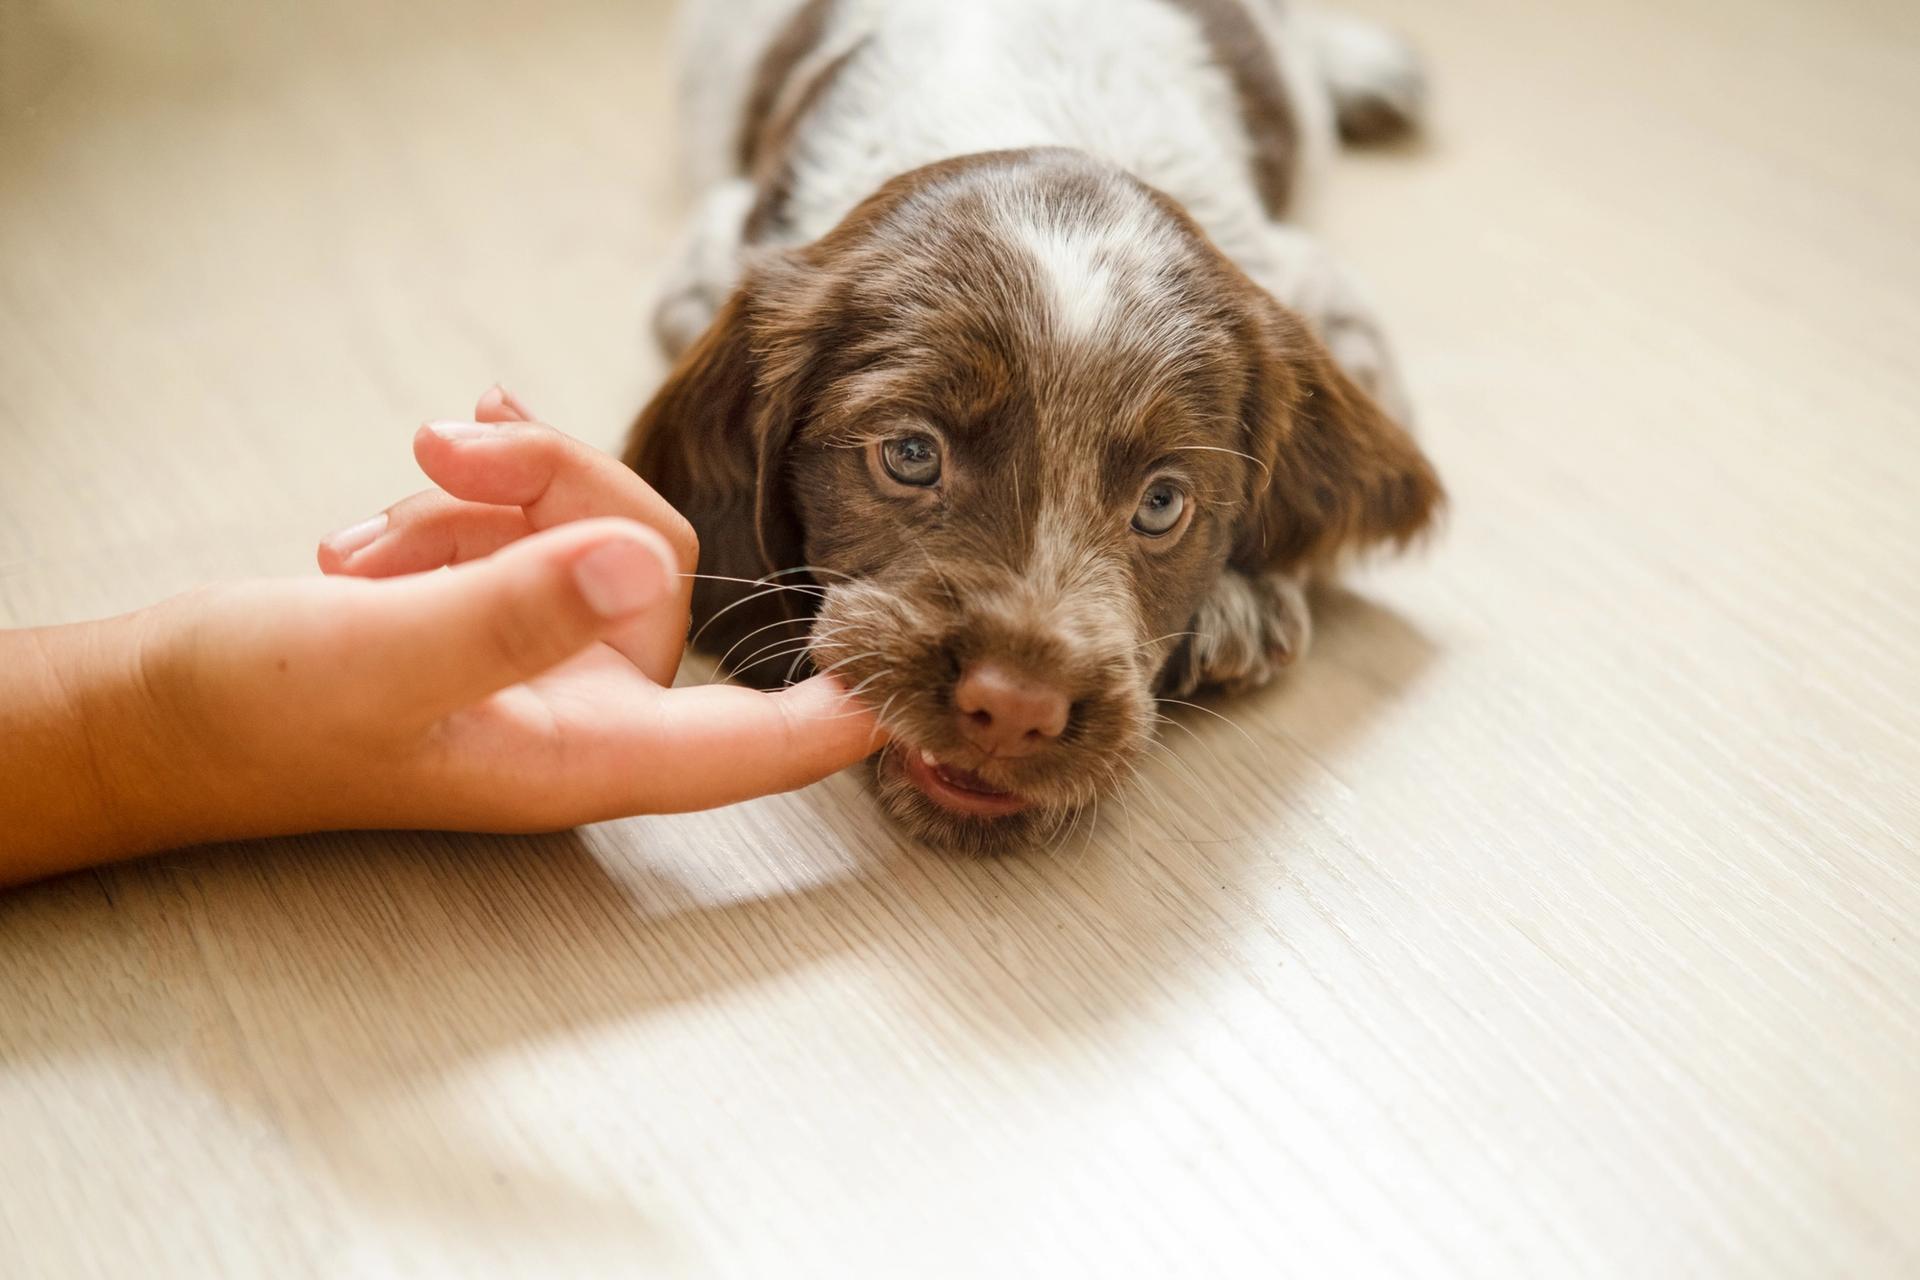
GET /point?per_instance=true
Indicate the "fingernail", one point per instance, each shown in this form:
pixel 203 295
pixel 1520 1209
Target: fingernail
pixel 619 579
pixel 465 430
pixel 355 537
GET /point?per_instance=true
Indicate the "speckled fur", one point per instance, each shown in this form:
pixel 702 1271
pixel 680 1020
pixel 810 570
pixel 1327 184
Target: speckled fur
pixel 1068 334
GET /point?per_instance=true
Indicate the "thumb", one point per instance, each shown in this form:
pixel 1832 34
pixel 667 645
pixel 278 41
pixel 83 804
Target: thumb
pixel 444 640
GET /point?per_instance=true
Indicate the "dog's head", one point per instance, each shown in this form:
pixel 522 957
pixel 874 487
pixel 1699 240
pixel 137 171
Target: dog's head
pixel 1000 433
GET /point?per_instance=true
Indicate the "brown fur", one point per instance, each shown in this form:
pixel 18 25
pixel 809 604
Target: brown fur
pixel 917 313
pixel 790 50
pixel 1273 134
pixel 783 94
pixel 773 175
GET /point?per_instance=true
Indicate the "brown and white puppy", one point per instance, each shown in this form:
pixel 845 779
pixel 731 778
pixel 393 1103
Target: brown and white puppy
pixel 1011 441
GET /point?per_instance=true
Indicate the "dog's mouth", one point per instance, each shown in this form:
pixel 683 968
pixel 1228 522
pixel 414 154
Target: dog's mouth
pixel 958 791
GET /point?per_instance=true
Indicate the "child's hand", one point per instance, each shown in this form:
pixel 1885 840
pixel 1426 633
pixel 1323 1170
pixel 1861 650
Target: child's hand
pixel 523 689
pixel 585 640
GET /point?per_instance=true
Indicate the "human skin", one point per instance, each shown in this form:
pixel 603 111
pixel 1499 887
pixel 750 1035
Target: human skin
pixel 527 688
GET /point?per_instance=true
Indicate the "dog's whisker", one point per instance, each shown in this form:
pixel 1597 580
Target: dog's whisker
pixel 725 669
pixel 764 579
pixel 753 660
pixel 1177 759
pixel 862 711
pixel 881 715
pixel 1157 797
pixel 1141 785
pixel 722 660
pixel 776 655
pixel 1079 811
pixel 1204 745
pixel 933 566
pixel 1072 865
pixel 1188 769
pixel 862 687
pixel 1232 724
pixel 764 652
pixel 743 600
pixel 761 582
pixel 855 714
pixel 1120 781
pixel 870 653
pixel 1210 448
pixel 1172 829
pixel 1171 635
pixel 767 587
pixel 816 640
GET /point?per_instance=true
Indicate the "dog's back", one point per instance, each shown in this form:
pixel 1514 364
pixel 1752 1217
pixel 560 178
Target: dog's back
pixel 1215 102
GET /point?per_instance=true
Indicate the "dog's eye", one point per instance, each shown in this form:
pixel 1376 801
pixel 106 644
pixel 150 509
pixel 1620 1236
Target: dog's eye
pixel 913 460
pixel 1161 507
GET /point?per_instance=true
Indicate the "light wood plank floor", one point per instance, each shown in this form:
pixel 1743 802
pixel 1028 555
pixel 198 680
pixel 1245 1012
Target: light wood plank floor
pixel 1557 918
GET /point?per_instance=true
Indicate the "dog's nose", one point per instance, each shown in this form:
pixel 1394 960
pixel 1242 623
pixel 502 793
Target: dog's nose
pixel 1007 713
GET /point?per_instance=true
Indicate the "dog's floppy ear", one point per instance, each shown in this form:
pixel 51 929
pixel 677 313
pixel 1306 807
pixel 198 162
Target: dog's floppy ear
pixel 1340 474
pixel 713 441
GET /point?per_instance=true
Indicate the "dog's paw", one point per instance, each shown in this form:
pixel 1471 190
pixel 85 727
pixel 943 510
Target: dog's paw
pixel 1378 87
pixel 1247 630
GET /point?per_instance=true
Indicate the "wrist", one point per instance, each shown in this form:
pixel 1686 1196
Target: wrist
pixel 116 675
pixel 113 766
pixel 61 809
pixel 163 730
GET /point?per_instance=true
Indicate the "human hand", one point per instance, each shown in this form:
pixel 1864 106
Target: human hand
pixel 601 731
pixel 524 689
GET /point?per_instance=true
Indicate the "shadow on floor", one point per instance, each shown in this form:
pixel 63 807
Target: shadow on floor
pixel 313 982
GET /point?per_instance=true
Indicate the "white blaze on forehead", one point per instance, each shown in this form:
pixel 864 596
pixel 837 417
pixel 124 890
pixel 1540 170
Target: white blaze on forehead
pixel 1090 260
pixel 1079 276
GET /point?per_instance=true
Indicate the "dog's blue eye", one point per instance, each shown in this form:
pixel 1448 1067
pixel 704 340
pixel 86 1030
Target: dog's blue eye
pixel 913 460
pixel 1161 507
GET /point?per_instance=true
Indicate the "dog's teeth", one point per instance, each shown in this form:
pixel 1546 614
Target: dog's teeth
pixel 926 758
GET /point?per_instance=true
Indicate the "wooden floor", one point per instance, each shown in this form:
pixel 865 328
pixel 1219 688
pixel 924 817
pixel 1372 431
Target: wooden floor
pixel 1558 918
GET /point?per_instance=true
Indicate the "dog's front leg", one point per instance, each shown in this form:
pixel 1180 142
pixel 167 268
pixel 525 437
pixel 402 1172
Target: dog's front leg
pixel 1246 631
pixel 702 268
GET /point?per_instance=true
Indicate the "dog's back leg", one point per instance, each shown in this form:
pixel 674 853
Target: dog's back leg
pixel 1375 78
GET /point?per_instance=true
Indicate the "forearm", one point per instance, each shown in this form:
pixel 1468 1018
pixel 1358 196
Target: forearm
pixel 86 773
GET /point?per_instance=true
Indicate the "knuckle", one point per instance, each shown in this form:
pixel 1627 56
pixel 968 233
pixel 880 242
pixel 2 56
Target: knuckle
pixel 414 505
pixel 548 443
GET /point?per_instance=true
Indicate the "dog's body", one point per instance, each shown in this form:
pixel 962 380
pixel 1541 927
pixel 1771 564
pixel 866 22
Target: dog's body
pixel 1133 82
pixel 980 281
pixel 795 111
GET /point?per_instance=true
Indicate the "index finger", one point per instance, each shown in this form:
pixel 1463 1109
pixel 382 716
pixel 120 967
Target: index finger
pixel 547 473
pixel 714 745
pixel 555 479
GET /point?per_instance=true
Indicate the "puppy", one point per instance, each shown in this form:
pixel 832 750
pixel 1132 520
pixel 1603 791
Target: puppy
pixel 1000 389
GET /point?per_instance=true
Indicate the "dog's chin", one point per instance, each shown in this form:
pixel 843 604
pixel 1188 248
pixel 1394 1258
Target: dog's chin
pixel 959 812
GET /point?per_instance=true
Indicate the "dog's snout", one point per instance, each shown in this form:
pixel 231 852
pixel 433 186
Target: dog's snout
pixel 1006 712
